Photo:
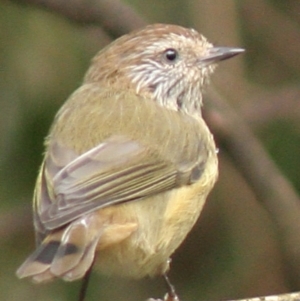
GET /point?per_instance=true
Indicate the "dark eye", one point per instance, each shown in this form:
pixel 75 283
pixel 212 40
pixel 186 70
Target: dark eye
pixel 170 55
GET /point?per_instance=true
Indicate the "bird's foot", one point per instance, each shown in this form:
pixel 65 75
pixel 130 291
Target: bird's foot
pixel 168 297
pixel 171 296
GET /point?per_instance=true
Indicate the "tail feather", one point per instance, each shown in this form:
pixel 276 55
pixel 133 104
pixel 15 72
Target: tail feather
pixel 44 277
pixel 39 261
pixel 71 249
pixel 67 253
pixel 81 268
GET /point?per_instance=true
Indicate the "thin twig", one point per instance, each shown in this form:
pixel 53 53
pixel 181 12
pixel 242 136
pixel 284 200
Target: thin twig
pixel 284 297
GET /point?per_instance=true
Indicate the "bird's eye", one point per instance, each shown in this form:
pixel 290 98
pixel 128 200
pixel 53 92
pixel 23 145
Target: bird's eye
pixel 170 55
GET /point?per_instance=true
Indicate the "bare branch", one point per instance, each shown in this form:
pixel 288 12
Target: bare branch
pixel 266 106
pixel 114 16
pixel 283 297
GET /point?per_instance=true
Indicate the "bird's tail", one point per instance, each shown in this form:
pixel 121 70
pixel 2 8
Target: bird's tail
pixel 67 253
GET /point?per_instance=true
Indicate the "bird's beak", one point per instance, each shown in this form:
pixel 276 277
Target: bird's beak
pixel 216 54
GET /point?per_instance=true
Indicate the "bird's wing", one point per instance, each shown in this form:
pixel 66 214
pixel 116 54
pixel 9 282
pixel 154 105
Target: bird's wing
pixel 116 171
pixel 118 147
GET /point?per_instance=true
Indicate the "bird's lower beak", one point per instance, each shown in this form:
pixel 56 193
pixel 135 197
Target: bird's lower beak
pixel 216 54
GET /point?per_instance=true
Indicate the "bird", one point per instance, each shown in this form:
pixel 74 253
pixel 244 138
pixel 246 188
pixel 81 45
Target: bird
pixel 129 161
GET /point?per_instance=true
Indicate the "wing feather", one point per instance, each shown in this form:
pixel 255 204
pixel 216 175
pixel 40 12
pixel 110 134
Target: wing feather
pixel 93 181
pixel 119 164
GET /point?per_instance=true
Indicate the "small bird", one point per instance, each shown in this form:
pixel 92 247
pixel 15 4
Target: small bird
pixel 129 160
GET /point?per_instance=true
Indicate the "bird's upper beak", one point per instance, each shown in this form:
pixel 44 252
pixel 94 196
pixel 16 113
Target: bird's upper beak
pixel 216 54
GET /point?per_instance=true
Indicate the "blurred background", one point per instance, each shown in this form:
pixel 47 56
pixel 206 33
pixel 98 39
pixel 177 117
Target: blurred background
pixel 234 251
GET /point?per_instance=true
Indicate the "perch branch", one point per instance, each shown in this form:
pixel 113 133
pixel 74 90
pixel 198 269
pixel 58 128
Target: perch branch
pixel 284 297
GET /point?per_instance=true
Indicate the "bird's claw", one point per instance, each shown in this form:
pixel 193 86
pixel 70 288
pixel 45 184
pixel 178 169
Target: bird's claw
pixel 171 296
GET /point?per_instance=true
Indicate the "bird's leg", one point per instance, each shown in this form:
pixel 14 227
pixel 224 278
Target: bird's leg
pixel 85 283
pixel 171 294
